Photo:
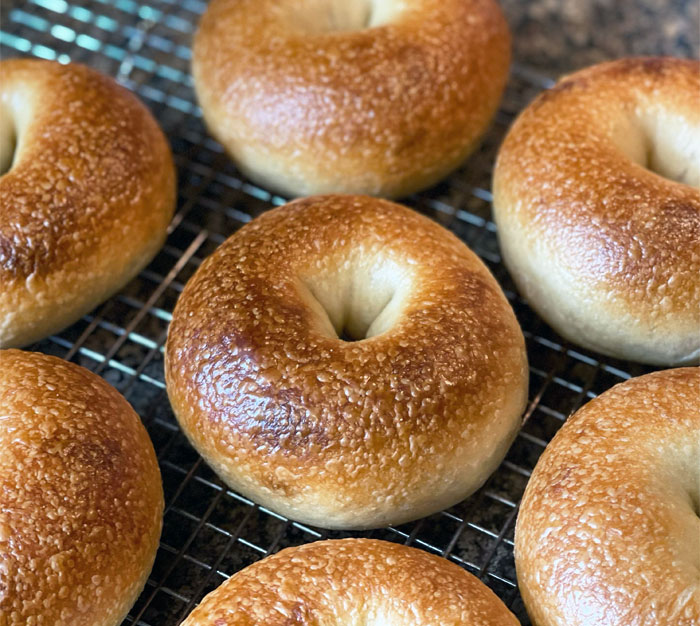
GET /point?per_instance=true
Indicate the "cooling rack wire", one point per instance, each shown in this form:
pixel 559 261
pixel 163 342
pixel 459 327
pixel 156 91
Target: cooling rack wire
pixel 210 532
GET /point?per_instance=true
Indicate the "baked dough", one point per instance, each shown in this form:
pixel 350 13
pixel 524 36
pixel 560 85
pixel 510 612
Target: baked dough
pixel 609 528
pixel 352 582
pixel 269 386
pixel 597 202
pixel 86 201
pixel 81 501
pixel 384 97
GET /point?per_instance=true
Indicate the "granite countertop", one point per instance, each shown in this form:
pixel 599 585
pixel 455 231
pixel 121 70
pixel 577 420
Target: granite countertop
pixel 559 36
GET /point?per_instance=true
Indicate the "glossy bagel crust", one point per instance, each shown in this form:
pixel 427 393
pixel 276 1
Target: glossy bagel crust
pixel 605 249
pixel 81 501
pixel 306 106
pixel 352 581
pixel 346 434
pixel 87 200
pixel 608 531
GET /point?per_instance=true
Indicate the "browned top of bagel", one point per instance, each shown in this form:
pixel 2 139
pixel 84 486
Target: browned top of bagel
pixel 352 582
pixel 80 496
pixel 401 421
pixel 87 200
pixel 608 530
pixel 573 187
pixel 411 94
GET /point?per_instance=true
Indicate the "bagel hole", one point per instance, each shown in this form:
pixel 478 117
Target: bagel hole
pixel 358 298
pixel 318 17
pixel 667 145
pixel 695 501
pixel 8 142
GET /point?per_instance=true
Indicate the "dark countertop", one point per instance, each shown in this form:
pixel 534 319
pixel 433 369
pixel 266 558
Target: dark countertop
pixel 558 36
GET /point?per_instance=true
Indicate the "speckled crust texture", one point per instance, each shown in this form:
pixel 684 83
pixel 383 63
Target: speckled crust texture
pixel 606 250
pixel 346 434
pixel 81 501
pixel 304 108
pixel 608 531
pixel 87 201
pixel 352 582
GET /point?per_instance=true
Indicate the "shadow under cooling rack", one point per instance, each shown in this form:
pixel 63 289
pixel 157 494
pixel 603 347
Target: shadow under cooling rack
pixel 210 532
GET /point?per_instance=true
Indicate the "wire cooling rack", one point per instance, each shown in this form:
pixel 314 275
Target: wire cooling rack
pixel 210 532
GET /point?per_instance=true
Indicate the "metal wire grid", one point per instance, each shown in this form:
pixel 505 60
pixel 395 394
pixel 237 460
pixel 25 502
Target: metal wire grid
pixel 210 532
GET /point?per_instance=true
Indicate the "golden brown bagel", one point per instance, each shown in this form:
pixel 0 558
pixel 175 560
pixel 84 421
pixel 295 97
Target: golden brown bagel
pixel 352 582
pixel 408 420
pixel 86 201
pixel 327 96
pixel 598 208
pixel 608 531
pixel 81 501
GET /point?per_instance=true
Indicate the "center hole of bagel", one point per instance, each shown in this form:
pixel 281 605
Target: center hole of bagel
pixel 695 500
pixel 8 142
pixel 359 297
pixel 341 16
pixel 665 144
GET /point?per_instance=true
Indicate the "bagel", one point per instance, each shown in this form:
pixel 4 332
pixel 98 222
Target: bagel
pixel 384 97
pixel 608 531
pixel 86 194
pixel 409 418
pixel 81 501
pixel 597 205
pixel 352 581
